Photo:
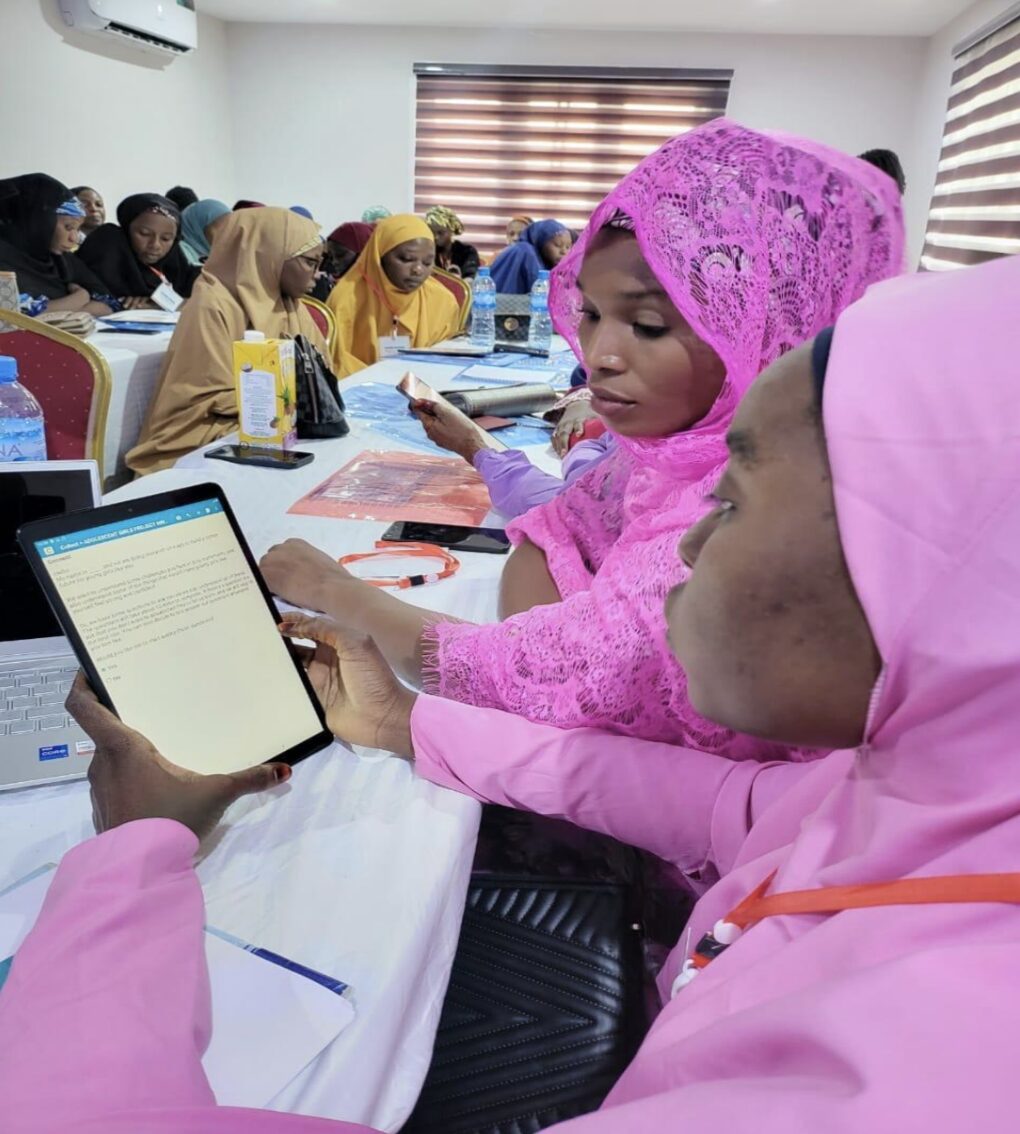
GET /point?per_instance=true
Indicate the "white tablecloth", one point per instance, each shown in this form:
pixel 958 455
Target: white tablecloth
pixel 360 869
pixel 135 363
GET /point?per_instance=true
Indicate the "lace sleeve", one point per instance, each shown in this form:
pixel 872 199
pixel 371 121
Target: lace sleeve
pixel 577 528
pixel 600 658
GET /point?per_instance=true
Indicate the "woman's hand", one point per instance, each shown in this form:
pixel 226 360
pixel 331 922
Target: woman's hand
pixel 364 702
pixel 448 428
pixel 302 574
pixel 136 302
pixel 575 417
pixel 131 780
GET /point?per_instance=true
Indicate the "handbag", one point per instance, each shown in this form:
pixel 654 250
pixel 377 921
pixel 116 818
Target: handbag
pixel 320 407
pixel 544 1010
pixel 513 318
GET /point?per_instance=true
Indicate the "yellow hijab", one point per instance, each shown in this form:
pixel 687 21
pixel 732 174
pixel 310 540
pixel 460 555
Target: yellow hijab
pixel 238 291
pixel 366 304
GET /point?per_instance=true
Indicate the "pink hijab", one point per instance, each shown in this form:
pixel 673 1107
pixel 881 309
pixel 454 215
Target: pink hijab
pixel 903 1018
pixel 760 241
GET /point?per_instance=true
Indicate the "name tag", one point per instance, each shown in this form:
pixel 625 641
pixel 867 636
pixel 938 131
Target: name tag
pixel 164 296
pixel 391 344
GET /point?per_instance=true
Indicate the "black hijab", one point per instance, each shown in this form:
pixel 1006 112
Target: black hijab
pixel 28 215
pixel 108 252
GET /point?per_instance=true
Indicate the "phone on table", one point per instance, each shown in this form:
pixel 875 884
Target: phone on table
pixel 262 457
pixel 492 541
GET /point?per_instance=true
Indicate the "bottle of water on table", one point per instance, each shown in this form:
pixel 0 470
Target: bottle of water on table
pixel 22 433
pixel 483 311
pixel 540 325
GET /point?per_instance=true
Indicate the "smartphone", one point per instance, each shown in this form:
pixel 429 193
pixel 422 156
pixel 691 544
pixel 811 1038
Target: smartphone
pixel 415 390
pixel 492 541
pixel 263 458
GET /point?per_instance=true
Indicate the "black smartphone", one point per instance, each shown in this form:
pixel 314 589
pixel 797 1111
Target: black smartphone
pixel 264 458
pixel 493 541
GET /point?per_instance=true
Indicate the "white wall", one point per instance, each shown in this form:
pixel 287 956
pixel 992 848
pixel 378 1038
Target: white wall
pixel 931 99
pixel 110 116
pixel 339 101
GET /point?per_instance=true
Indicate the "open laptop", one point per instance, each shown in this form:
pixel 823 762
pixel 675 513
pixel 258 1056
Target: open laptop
pixel 39 743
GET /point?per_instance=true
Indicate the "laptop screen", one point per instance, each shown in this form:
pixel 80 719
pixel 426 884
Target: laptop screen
pixel 32 494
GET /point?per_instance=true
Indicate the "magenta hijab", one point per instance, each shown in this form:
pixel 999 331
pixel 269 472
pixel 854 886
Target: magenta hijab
pixel 760 241
pixel 905 1017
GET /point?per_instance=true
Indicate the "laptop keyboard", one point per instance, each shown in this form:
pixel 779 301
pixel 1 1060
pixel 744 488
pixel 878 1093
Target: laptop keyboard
pixel 32 697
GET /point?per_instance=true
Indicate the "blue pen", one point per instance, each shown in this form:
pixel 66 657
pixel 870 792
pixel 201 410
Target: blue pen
pixel 331 983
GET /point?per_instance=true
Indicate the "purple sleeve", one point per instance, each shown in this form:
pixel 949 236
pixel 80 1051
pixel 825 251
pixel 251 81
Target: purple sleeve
pixel 690 808
pixel 515 485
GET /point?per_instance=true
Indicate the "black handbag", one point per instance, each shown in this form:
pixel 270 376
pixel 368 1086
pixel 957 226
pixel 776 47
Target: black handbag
pixel 320 407
pixel 544 1011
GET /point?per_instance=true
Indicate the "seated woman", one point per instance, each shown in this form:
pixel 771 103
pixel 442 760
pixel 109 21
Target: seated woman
pixel 672 324
pixel 855 587
pixel 198 222
pixel 540 246
pixel 261 264
pixel 40 220
pixel 94 206
pixel 389 294
pixel 452 255
pixel 343 247
pixel 515 226
pixel 141 251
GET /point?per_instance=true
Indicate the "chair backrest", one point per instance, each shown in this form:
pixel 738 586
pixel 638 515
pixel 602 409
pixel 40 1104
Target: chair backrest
pixel 459 289
pixel 323 318
pixel 69 379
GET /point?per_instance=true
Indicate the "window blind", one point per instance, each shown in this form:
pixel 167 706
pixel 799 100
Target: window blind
pixel 491 146
pixel 975 207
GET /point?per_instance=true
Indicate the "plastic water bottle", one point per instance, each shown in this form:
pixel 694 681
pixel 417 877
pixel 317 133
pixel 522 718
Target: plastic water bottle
pixel 22 434
pixel 540 325
pixel 483 311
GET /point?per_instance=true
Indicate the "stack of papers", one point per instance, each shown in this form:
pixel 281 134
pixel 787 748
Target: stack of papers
pixel 269 1021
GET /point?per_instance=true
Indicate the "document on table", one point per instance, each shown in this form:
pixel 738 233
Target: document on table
pixel 269 1023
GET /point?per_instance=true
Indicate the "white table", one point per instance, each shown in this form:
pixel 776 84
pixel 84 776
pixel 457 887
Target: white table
pixel 135 363
pixel 360 871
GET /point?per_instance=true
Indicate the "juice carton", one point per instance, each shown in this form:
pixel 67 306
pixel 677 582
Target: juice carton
pixel 266 391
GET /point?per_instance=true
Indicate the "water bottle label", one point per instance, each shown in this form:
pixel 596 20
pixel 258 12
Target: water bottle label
pixel 485 301
pixel 539 304
pixel 22 439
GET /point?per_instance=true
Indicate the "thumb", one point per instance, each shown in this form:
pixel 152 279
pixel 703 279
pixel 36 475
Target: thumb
pixel 313 627
pixel 252 780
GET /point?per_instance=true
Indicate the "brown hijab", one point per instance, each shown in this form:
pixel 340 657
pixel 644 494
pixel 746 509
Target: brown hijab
pixel 238 291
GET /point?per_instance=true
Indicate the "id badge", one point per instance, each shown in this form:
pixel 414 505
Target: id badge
pixel 164 296
pixel 391 344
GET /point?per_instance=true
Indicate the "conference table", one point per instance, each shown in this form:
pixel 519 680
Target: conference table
pixel 135 362
pixel 356 868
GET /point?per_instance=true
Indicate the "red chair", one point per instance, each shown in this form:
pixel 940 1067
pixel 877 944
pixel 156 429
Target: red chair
pixel 459 289
pixel 323 319
pixel 69 379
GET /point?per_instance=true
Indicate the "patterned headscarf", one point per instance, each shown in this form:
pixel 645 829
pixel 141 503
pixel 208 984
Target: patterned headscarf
pixel 439 216
pixel 375 213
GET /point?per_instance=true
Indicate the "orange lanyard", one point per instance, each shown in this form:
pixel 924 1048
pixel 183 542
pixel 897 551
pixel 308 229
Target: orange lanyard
pixel 387 550
pixel 758 905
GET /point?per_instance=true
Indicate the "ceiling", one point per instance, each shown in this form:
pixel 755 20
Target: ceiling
pixel 804 17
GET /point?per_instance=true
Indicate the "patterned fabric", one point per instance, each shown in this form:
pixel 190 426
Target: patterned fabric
pixel 760 241
pixel 439 216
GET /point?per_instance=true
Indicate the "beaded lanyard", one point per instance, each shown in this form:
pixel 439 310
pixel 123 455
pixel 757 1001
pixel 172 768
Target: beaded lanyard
pixel 387 550
pixel 951 888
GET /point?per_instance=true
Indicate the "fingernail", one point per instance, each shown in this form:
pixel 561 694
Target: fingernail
pixel 282 772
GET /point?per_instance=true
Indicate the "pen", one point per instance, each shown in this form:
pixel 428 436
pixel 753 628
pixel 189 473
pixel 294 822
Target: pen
pixel 337 986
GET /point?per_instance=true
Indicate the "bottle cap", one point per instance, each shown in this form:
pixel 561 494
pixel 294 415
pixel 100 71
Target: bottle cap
pixel 483 272
pixel 8 368
pixel 543 274
pixel 254 337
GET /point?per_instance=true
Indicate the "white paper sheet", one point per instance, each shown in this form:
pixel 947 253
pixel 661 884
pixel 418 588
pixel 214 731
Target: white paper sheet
pixel 268 1023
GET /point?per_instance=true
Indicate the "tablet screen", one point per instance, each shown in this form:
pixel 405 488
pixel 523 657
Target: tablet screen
pixel 177 628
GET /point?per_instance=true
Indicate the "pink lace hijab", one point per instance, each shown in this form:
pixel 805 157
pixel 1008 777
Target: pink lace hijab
pixel 760 240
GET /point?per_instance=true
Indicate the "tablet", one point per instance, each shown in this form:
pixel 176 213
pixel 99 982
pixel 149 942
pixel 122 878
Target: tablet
pixel 175 629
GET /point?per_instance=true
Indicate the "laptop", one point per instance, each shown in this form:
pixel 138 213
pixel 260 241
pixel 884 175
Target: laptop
pixel 39 743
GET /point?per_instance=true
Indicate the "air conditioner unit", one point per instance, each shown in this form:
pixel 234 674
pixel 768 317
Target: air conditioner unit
pixel 167 27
